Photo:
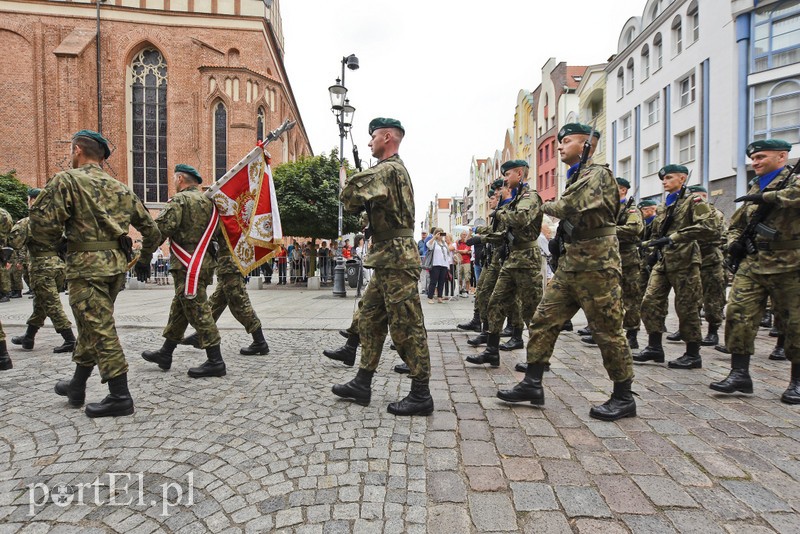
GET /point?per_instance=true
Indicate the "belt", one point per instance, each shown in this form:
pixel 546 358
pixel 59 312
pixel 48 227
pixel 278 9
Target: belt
pixel 594 232
pixel 92 246
pixel 391 234
pixel 778 245
pixel 43 254
pixel 524 246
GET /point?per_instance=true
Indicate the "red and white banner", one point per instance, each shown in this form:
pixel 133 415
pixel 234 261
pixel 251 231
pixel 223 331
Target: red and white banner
pixel 248 210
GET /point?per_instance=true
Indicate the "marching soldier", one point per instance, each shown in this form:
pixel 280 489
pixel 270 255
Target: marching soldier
pixel 189 221
pixel 680 223
pixel 770 260
pixel 588 277
pixel 5 228
pixel 648 209
pixel 94 212
pixel 391 299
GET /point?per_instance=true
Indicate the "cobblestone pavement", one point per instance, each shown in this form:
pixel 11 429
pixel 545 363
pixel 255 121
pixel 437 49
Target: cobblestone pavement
pixel 269 448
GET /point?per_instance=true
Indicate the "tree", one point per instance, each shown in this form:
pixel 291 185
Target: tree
pixel 13 195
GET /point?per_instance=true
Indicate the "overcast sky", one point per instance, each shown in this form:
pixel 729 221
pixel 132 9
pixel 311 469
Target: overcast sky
pixel 449 70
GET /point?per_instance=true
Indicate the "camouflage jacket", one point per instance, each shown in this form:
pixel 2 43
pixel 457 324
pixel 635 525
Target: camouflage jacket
pixel 783 218
pixel 388 190
pixel 692 224
pixel 184 221
pixel 225 262
pixel 590 202
pixel 87 205
pixel 18 240
pixel 523 218
pixel 711 250
pixel 630 229
pixel 492 236
pixel 6 224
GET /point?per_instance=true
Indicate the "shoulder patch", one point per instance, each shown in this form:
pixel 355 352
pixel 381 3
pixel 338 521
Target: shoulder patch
pixel 632 210
pixel 697 199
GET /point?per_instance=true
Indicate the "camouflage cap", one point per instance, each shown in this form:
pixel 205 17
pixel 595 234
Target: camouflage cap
pixel 513 164
pixel 94 136
pixel 697 188
pixel 647 203
pixel 33 192
pixel 576 128
pixel 624 183
pixel 767 144
pixel 188 169
pixel 381 122
pixel 672 169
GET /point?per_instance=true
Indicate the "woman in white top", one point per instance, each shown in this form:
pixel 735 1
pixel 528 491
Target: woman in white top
pixel 440 265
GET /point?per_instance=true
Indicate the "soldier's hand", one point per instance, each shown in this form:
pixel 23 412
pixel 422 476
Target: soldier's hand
pixel 758 198
pixel 660 242
pixel 737 250
pixel 142 271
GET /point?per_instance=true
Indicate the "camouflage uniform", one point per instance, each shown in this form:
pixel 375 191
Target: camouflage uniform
pixel 588 275
pixel 5 227
pixel 92 210
pixel 184 221
pixel 644 268
pixel 679 267
pixel 18 270
pixel 712 274
pixel 46 271
pixel 391 298
pixel 630 227
pixel 231 291
pixel 5 279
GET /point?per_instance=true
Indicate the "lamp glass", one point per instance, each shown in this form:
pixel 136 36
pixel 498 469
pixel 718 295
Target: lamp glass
pixel 337 93
pixel 347 114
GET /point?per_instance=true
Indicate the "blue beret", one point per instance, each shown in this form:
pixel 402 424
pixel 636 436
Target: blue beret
pixel 33 192
pixel 94 136
pixel 647 203
pixel 697 189
pixel 768 144
pixel 624 183
pixel 188 169
pixel 381 122
pixel 513 164
pixel 575 128
pixel 672 169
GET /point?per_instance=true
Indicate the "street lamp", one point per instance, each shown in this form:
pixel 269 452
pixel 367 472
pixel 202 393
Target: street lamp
pixel 343 111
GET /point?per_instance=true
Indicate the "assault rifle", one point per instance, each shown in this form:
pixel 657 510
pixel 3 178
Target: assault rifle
pixel 746 243
pixel 669 220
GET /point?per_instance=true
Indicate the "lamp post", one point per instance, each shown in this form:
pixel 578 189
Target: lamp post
pixel 343 111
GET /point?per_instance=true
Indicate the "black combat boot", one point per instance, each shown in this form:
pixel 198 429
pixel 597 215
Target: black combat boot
pixel 213 366
pixel 26 340
pixel 774 331
pixel 490 355
pixel 117 403
pixel 402 368
pixel 589 340
pixel 75 390
pixel 4 297
pixel 5 359
pixel 162 356
pixel 474 324
pixel 417 402
pixel 481 338
pixel 16 294
pixel 722 348
pixel 530 389
pixel 633 338
pixel 258 346
pixel 690 360
pixel 508 331
pixel 621 404
pixel 713 337
pixel 567 326
pixel 392 346
pixel 653 351
pixel 778 353
pixel 347 353
pixel 766 321
pixel 514 342
pixel 792 393
pixel 69 341
pixel 675 337
pixel 521 367
pixel 192 340
pixel 585 331
pixel 739 377
pixel 359 389
pixel 344 333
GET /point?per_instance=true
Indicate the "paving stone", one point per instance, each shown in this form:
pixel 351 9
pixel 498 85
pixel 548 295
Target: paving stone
pixel 475 430
pixel 637 463
pixel 441 440
pixel 512 442
pixel 479 453
pixel 683 471
pixel 492 511
pixel 525 469
pixel 599 463
pixel 566 472
pixel 622 495
pixel 485 479
pixel 756 496
pixel 664 491
pixel 648 524
pixel 448 518
pixel 692 521
pixel 597 526
pixel 580 501
pixel 546 523
pixel 530 496
pixel 783 523
pixel 447 486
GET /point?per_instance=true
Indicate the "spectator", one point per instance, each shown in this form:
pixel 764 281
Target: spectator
pixel 360 251
pixel 424 275
pixel 464 251
pixel 450 286
pixel 323 257
pixel 347 250
pixel 440 265
pixel 297 264
pixel 543 241
pixel 307 253
pixel 282 260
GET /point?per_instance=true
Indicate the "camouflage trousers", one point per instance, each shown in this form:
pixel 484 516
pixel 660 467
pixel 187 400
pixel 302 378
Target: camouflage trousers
pixel 746 304
pixel 631 296
pixel 2 333
pixel 353 328
pixel 655 306
pixel 392 301
pixel 5 279
pixel 196 312
pixel 231 292
pixel 485 287
pixel 516 290
pixel 16 277
pixel 92 301
pixel 599 294
pixel 712 278
pixel 46 299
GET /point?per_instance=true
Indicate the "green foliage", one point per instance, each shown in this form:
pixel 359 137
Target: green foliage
pixel 13 195
pixel 308 197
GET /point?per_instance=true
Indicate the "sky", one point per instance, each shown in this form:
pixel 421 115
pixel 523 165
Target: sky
pixel 449 70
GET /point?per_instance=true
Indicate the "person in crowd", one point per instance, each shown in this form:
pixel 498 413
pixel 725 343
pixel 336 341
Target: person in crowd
pixel 282 258
pixel 464 251
pixel 440 265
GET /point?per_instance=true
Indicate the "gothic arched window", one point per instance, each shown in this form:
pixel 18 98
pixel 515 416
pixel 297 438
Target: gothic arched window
pixel 149 126
pixel 260 121
pixel 220 140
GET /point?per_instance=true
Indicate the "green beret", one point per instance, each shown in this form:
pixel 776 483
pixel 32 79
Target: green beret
pixel 491 193
pixel 624 183
pixel 33 192
pixel 647 203
pixel 188 169
pixel 497 184
pixel 767 144
pixel 513 164
pixel 575 128
pixel 697 189
pixel 94 136
pixel 381 122
pixel 672 169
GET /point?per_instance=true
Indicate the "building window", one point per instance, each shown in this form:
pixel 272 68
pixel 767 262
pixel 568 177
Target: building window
pixel 658 52
pixel 776 35
pixel 629 73
pixel 260 121
pixel 686 91
pixel 220 141
pixel 620 83
pixel 651 106
pixel 776 111
pixel 686 146
pixel 149 126
pixel 677 36
pixel 626 126
pixel 694 21
pixel 651 160
pixel 625 169
pixel 645 62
